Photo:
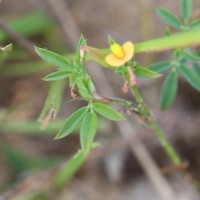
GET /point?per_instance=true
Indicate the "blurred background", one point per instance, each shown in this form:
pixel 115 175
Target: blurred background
pixel 28 154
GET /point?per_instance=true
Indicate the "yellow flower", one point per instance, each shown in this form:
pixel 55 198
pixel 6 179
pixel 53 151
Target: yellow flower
pixel 120 54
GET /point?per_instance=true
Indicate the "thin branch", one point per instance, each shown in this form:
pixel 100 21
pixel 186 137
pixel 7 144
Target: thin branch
pixel 67 23
pixel 22 41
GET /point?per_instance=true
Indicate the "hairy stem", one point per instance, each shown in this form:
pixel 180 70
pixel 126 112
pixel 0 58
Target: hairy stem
pixel 150 121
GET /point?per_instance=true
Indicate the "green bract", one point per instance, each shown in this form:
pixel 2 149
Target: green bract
pixel 77 59
pixel 145 72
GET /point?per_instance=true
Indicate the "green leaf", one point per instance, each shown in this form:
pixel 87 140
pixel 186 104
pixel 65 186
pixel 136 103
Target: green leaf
pixel 196 68
pixel 88 130
pixel 72 122
pixel 107 112
pixel 186 8
pixel 74 77
pixel 69 169
pixel 192 78
pixel 145 72
pixel 83 88
pixel 53 58
pixel 28 25
pixel 21 161
pixel 57 75
pixel 169 90
pixel 90 85
pixel 195 25
pixel 169 18
pixel 160 67
pixel 189 56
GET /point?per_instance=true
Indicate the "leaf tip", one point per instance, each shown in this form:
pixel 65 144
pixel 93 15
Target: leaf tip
pixel 57 137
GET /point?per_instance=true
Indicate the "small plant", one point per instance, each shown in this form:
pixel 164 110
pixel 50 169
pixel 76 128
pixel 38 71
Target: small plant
pixel 121 60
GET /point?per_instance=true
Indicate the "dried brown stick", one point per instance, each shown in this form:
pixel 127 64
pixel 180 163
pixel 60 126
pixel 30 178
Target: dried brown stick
pixel 22 41
pixel 66 21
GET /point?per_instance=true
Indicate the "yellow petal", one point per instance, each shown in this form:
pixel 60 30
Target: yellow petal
pixel 128 48
pixel 117 50
pixel 113 61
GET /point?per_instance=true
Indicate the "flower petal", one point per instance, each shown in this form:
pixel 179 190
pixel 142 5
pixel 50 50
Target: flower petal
pixel 128 48
pixel 117 50
pixel 113 61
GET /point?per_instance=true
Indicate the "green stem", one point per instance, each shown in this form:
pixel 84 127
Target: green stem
pixel 29 127
pixel 150 121
pixel 66 173
pixel 53 102
pixel 165 143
